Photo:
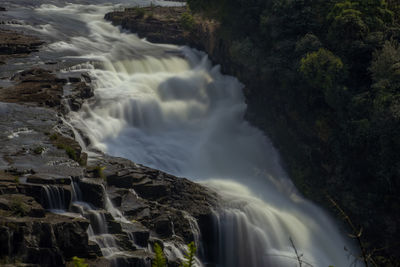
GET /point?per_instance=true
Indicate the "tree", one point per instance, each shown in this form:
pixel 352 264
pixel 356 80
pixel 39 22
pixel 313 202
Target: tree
pixel 322 68
pixel 385 67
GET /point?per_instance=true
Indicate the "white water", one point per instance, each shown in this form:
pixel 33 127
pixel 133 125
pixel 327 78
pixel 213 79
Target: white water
pixel 54 197
pixel 181 115
pixel 98 228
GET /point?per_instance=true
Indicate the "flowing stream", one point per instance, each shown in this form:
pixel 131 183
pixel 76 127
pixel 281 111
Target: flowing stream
pixel 169 108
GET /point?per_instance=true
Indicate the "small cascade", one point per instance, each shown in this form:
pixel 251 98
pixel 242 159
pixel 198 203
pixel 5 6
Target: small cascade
pixel 76 191
pixel 54 197
pixel 234 228
pixel 175 250
pixel 117 215
pixel 99 234
pixel 98 228
pixel 195 229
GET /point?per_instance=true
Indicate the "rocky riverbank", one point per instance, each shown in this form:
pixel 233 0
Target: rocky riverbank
pixel 51 198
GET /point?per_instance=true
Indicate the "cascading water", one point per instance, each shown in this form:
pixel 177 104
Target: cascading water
pixel 167 107
pixel 54 197
pixel 98 228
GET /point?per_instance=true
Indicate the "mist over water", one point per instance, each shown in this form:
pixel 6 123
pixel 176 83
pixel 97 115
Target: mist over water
pixel 167 107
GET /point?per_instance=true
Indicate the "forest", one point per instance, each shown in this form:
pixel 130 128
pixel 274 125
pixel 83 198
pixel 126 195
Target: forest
pixel 323 81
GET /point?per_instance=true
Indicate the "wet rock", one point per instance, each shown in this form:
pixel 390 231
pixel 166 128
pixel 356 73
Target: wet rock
pixel 76 243
pixel 20 206
pixel 37 86
pixel 138 258
pixel 74 79
pixel 156 28
pixel 75 104
pixel 86 77
pixel 140 233
pixel 123 241
pixel 114 227
pixel 47 179
pixel 125 179
pixel 79 93
pixel 14 43
pixel 85 90
pixel 94 192
pixel 46 241
pixel 161 202
pixel 163 227
pixel 153 191
pixel 131 205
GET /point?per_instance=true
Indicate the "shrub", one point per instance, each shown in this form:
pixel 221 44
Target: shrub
pixel 18 208
pixel 69 150
pixel 140 12
pixel 78 262
pixel 38 150
pixel 187 21
pixel 322 68
pixel 98 172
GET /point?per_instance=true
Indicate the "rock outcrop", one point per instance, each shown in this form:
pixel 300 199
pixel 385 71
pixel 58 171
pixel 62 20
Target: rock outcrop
pixel 15 44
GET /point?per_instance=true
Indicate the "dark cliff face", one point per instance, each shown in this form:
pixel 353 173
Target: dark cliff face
pixel 305 141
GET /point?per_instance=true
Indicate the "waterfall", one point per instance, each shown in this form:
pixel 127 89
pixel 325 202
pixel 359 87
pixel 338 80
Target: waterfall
pixel 98 228
pixel 54 197
pixel 169 108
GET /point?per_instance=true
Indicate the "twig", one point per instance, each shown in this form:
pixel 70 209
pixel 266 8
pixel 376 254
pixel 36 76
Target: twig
pixel 295 250
pixel 356 233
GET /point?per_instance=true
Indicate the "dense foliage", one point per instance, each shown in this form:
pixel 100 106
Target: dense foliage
pixel 323 79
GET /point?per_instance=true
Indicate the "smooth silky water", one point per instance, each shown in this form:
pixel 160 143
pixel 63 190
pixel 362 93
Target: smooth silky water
pixel 169 108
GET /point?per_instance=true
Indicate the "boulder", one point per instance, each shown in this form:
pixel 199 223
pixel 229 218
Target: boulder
pixel 139 233
pixel 46 241
pixel 125 178
pixel 20 206
pixel 94 192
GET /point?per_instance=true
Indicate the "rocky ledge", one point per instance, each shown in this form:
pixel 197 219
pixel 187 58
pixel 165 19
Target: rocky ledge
pixel 54 206
pixel 172 25
pixel 14 44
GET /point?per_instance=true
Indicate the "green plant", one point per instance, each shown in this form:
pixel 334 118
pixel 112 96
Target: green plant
pixel 159 260
pixel 16 180
pixel 140 12
pixel 187 21
pixel 18 208
pixel 190 255
pixel 38 150
pixel 322 68
pixel 53 137
pixel 78 262
pixel 98 172
pixel 69 150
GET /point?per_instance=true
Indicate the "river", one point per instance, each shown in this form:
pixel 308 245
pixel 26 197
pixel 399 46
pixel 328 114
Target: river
pixel 170 108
